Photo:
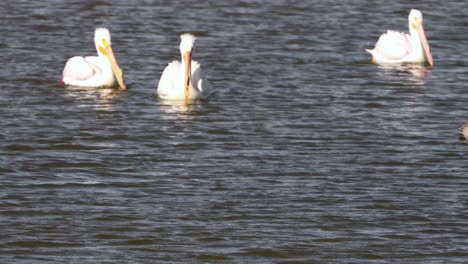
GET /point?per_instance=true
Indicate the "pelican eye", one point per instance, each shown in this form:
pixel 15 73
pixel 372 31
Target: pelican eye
pixel 104 42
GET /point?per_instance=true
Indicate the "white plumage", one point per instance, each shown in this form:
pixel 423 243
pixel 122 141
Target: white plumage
pixel 397 47
pixel 95 71
pixel 183 80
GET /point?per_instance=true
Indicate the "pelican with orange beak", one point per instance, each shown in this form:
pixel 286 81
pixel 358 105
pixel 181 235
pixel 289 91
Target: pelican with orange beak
pixel 95 71
pixel 396 47
pixel 183 80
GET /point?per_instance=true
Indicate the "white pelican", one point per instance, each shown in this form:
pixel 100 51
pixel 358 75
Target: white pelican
pixel 183 80
pixel 397 47
pixel 95 71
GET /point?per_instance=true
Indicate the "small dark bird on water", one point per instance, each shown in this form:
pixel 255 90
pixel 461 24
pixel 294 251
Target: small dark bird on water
pixel 464 131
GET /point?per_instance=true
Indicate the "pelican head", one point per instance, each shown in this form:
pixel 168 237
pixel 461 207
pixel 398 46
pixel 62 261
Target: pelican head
pixel 102 40
pixel 187 42
pixel 101 35
pixel 415 15
pixel 186 47
pixel 415 21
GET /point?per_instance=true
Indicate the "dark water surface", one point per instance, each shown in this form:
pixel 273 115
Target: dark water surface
pixel 306 152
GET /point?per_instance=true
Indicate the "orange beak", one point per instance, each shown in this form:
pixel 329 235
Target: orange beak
pixel 425 44
pixel 188 63
pixel 109 53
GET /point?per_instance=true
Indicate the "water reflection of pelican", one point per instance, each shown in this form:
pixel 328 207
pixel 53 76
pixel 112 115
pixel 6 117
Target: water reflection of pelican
pixel 416 73
pixel 101 98
pixel 178 109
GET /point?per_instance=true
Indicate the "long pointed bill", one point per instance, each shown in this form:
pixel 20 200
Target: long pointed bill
pixel 115 68
pixel 188 63
pixel 425 44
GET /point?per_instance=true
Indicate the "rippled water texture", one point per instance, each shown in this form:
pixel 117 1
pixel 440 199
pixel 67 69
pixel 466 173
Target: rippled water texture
pixel 305 153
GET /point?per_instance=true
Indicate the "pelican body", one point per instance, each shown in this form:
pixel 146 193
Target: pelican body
pixel 183 80
pixel 95 71
pixel 396 47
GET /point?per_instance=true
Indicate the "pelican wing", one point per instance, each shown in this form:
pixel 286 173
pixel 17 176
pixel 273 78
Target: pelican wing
pixel 392 46
pixel 200 79
pixel 82 70
pixel 166 82
pixel 77 68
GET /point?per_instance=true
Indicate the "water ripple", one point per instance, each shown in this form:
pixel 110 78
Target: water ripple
pixel 305 152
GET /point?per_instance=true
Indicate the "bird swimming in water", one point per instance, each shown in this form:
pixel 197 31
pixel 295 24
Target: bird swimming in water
pixel 95 71
pixel 464 131
pixel 396 47
pixel 183 80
